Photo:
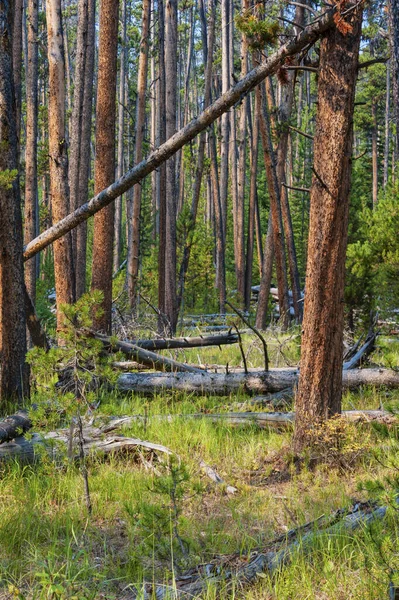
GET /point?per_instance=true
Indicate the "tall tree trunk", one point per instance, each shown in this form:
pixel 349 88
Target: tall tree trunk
pixel 105 156
pixel 59 189
pixel 77 110
pixel 393 7
pixel 239 216
pixel 162 170
pixel 225 119
pixel 208 41
pixel 275 207
pixel 133 257
pixel 252 204
pixel 320 382
pixel 387 123
pixel 85 147
pixel 31 188
pixel 374 153
pixel 284 112
pixel 121 130
pixel 12 306
pixel 171 203
pixel 17 65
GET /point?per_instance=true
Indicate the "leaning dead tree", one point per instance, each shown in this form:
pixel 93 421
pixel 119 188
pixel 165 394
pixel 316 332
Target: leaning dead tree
pixel 307 37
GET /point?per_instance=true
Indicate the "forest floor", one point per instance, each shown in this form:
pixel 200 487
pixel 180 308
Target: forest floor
pixel 154 520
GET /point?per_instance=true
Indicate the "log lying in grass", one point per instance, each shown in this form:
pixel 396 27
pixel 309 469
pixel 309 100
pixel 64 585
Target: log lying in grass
pixel 279 553
pixel 145 357
pixel 188 342
pixel 14 426
pixel 254 382
pixel 28 450
pixel 265 420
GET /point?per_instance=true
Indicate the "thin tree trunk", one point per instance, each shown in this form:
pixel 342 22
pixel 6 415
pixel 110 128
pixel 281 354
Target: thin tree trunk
pixel 275 208
pixel 85 148
pixel 239 216
pixel 170 189
pixel 104 170
pixel 374 153
pixel 224 129
pixel 121 129
pixel 387 123
pixel 252 204
pixel 12 307
pixel 393 8
pixel 266 279
pixel 59 189
pixel 17 65
pixel 31 188
pixel 77 110
pixel 162 170
pixel 133 257
pixel 320 383
pixel 208 40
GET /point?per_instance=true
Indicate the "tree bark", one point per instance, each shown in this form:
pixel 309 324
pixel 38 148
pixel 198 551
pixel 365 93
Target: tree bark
pixel 13 381
pixel 320 384
pixel 59 189
pixel 133 257
pixel 393 8
pixel 162 171
pixel 85 148
pixel 105 157
pixel 275 207
pixel 31 188
pixel 17 65
pixel 308 36
pixel 170 184
pixel 121 141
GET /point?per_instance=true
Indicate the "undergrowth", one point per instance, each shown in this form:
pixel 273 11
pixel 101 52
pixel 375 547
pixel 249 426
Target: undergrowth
pixel 154 520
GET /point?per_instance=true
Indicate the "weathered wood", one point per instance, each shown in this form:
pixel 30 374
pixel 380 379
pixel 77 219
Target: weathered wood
pixel 308 36
pixel 187 342
pixel 277 554
pixel 145 357
pixel 215 477
pixel 361 354
pixel 28 451
pixel 14 426
pixel 255 382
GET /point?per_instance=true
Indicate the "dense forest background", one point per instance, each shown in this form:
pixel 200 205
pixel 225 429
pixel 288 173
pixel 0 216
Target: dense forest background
pixel 207 253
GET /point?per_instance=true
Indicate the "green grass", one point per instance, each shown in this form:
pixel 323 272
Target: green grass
pixel 50 548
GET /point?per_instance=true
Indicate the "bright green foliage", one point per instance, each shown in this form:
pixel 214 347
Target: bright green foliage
pixel 373 260
pixel 157 523
pixel 7 178
pixel 259 32
pixel 80 361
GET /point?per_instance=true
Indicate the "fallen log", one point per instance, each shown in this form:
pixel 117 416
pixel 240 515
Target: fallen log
pixel 145 357
pixel 14 426
pixel 362 353
pixel 17 447
pixel 277 554
pixel 187 342
pixel 254 382
pixel 264 420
